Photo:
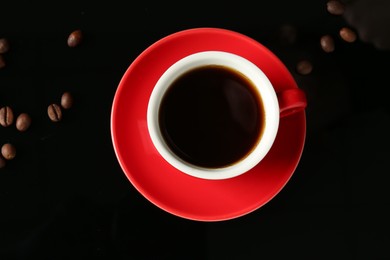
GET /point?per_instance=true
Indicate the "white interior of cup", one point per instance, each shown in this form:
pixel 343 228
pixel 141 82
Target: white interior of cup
pixel 254 74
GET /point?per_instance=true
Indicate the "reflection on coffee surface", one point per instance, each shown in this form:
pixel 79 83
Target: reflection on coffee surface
pixel 211 116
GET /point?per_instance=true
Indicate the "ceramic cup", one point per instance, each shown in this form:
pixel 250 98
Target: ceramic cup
pixel 215 115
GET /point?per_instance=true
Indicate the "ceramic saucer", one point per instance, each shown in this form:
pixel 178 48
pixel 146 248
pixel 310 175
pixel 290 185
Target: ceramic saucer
pixel 171 190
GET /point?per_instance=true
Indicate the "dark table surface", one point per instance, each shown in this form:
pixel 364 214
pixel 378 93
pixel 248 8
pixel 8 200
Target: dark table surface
pixel 64 195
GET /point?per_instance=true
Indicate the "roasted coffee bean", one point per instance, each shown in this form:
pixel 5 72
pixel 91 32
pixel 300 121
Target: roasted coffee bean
pixel 3 162
pixel 74 39
pixel 6 116
pixel 327 43
pixel 66 100
pixel 23 122
pixel 347 34
pixel 304 67
pixel 8 151
pixel 335 7
pixel 55 113
pixel 2 62
pixel 4 45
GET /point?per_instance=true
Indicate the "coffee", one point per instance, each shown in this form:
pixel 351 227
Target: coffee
pixel 66 100
pixel 6 116
pixel 211 116
pixel 335 7
pixel 8 151
pixel 327 43
pixel 23 122
pixel 347 34
pixel 75 38
pixel 54 112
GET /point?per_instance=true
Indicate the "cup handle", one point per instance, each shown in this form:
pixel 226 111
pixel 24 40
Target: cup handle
pixel 291 101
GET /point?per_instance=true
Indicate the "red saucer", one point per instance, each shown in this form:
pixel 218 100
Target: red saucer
pixel 171 190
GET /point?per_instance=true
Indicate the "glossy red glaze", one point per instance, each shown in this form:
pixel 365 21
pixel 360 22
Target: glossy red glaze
pixel 291 101
pixel 171 190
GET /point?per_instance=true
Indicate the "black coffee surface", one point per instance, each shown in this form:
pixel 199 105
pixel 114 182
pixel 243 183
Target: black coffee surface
pixel 211 116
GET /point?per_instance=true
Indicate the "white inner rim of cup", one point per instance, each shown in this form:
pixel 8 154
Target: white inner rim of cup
pixel 264 88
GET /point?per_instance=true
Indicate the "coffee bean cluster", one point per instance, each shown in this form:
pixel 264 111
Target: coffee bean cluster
pixel 327 41
pixel 23 121
pixel 348 35
pixel 54 110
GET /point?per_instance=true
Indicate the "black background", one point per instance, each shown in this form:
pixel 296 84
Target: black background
pixel 64 195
